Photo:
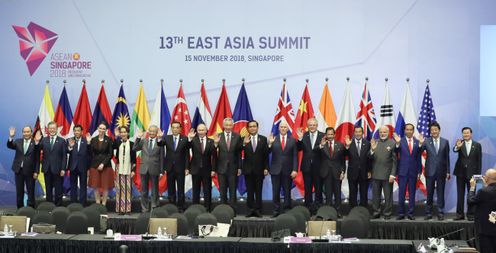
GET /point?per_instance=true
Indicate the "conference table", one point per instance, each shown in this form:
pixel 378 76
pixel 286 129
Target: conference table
pixel 55 243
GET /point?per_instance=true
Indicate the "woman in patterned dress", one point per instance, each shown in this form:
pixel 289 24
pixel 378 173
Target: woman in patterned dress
pixel 125 168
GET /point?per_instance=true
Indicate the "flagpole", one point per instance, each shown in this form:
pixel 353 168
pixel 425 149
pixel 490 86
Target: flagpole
pixel 162 82
pixel 122 82
pixel 65 81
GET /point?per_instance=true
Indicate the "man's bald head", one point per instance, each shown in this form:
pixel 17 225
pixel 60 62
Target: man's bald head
pixel 490 176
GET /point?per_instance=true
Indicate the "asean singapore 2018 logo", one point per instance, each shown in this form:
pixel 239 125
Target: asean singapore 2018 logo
pixel 35 43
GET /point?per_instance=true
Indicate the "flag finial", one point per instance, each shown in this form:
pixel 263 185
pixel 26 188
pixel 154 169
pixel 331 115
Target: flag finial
pixel 243 80
pixel 65 81
pixel 223 80
pixel 386 79
pixel 408 79
pixel 347 79
pixel 327 79
pixel 181 81
pixel 161 81
pixel 284 79
pixel 47 82
pixel 103 81
pixel 141 80
pixel 84 81
pixel 203 80
pixel 306 80
pixel 428 81
pixel 122 81
pixel 366 79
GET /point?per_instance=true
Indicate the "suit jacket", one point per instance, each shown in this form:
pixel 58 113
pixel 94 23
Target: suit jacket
pixel 176 160
pixel 484 202
pixel 311 155
pixel 101 152
pixel 409 165
pixel 359 165
pixel 258 161
pixel 284 161
pixel 333 163
pixel 30 161
pixel 151 160
pixel 54 158
pixel 436 163
pixel 468 165
pixel 383 160
pixel 202 163
pixel 132 153
pixel 229 161
pixel 79 158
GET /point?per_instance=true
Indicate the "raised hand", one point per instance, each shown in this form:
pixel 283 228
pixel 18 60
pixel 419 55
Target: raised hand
pixel 160 134
pixel 191 133
pixel 88 138
pixel 37 136
pixel 216 139
pixel 139 133
pixel 373 144
pixel 246 140
pixel 299 133
pixel 12 132
pixel 71 142
pixel 323 141
pixel 272 138
pixel 396 138
pixel 459 143
pixel 421 139
pixel 347 140
pixel 117 132
pixel 294 174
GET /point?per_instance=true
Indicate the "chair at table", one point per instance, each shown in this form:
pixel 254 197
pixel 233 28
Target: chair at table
pixel 171 208
pixel 327 213
pixel 300 220
pixel 93 218
pixel 304 210
pixel 73 207
pixel 46 206
pixel 26 211
pixel 182 223
pixel 226 208
pixel 285 221
pixel 191 214
pixel 204 219
pixel 76 223
pixel 198 207
pixel 353 227
pixel 42 217
pixel 160 213
pixel 101 208
pixel 222 215
pixel 59 216
pixel 141 224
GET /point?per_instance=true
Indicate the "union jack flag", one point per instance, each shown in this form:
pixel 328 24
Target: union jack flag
pixel 284 112
pixel 366 115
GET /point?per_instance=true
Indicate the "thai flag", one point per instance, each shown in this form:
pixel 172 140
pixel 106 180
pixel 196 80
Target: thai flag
pixel 202 111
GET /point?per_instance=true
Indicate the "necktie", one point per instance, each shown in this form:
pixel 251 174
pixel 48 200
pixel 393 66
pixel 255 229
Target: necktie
pixel 77 145
pixel 359 147
pixel 51 142
pixel 175 143
pixel 410 145
pixel 254 143
pixel 26 146
pixel 312 139
pixel 436 145
pixel 283 142
pixel 202 145
pixel 150 145
pixel 228 141
pixel 330 148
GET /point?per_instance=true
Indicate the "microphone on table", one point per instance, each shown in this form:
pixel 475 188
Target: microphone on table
pixel 320 232
pixel 147 235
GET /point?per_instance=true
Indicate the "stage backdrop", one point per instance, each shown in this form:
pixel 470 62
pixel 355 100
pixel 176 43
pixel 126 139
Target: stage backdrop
pixel 452 43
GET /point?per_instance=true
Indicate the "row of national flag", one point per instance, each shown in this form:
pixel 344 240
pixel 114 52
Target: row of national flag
pixel 344 122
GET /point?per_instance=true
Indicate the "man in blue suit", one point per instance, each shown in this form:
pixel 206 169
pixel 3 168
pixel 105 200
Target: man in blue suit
pixel 79 159
pixel 54 162
pixel 409 169
pixel 283 167
pixel 437 168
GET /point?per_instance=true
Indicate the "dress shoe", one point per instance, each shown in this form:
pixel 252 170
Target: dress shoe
pixel 257 214
pixel 470 218
pixel 411 217
pixel 401 217
pixel 440 217
pixel 274 215
pixel 251 214
pixel 376 216
pixel 387 217
pixel 428 217
pixel 459 217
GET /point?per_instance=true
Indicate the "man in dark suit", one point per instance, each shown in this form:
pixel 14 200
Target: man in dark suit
pixel 283 166
pixel 228 169
pixel 332 168
pixel 359 167
pixel 484 202
pixel 437 169
pixel 54 162
pixel 203 158
pixel 469 163
pixel 255 167
pixel 152 160
pixel 176 162
pixel 383 172
pixel 310 163
pixel 409 169
pixel 26 164
pixel 79 159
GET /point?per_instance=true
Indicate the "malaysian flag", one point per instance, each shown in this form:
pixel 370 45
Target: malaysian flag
pixel 366 115
pixel 426 117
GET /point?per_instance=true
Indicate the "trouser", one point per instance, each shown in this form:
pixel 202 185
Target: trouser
pixel 53 182
pixel 333 190
pixel 384 186
pixel 22 181
pixel 145 199
pixel 312 181
pixel 174 180
pixel 83 180
pixel 277 182
pixel 254 183
pixel 356 186
pixel 435 183
pixel 403 183
pixel 206 181
pixel 228 182
pixel 462 183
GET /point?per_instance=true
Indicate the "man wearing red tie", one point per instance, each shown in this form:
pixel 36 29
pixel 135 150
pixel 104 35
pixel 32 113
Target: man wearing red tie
pixel 283 167
pixel 409 169
pixel 332 167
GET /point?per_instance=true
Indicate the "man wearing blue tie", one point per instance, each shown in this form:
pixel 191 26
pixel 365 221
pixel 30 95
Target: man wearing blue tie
pixel 79 159
pixel 409 169
pixel 437 169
